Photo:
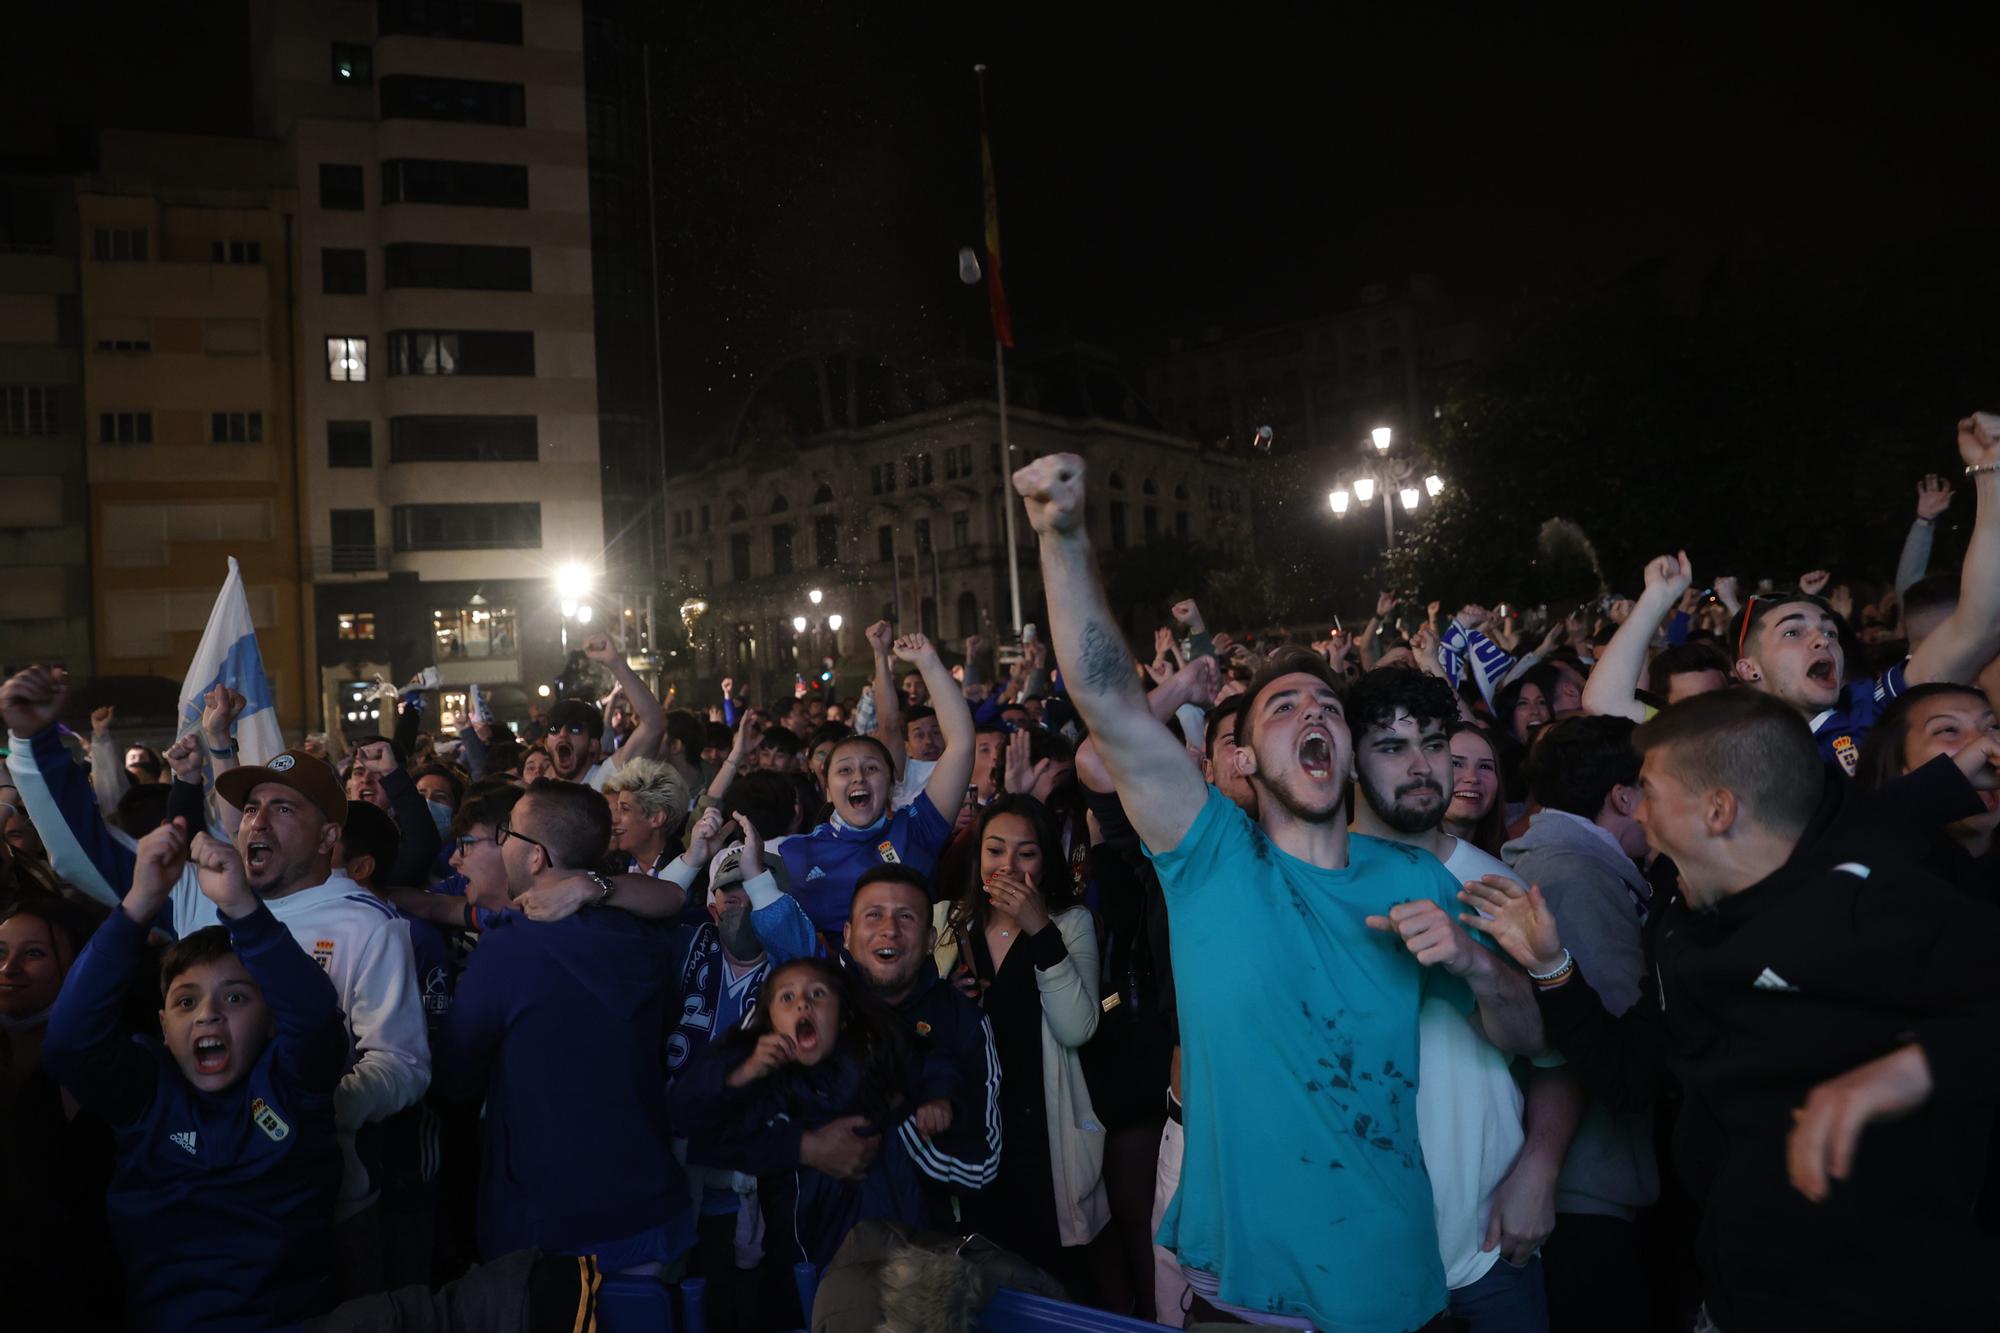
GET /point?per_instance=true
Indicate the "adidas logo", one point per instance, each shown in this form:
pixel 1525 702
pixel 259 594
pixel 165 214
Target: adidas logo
pixel 1769 980
pixel 184 1139
pixel 815 873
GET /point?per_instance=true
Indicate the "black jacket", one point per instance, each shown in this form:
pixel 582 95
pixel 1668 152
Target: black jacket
pixel 1848 952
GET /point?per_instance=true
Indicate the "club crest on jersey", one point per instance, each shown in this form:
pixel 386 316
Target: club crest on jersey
pixel 887 851
pixel 323 953
pixel 1849 755
pixel 268 1120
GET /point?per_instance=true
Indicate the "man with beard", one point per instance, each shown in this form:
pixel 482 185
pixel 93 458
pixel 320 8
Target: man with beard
pixel 888 939
pixel 1493 1184
pixel 1789 646
pixel 1313 1120
pixel 576 728
pixel 1581 848
pixel 293 810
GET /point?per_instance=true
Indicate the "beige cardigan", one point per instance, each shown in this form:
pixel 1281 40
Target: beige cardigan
pixel 1070 1010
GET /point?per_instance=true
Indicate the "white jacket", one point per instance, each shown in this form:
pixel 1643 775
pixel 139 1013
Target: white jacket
pixel 1070 1011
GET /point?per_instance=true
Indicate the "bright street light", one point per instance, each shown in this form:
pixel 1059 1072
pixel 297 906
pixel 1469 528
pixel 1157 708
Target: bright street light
pixel 568 607
pixel 1338 499
pixel 814 596
pixel 833 622
pixel 1410 496
pixel 1381 437
pixel 583 613
pixel 573 581
pixel 542 690
pixel 799 624
pixel 1434 484
pixel 1364 489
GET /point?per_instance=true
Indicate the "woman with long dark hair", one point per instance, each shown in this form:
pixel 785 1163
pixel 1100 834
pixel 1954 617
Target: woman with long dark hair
pixel 1028 951
pixel 1475 813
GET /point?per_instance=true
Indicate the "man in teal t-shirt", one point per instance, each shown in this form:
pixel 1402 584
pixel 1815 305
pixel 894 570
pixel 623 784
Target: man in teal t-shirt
pixel 1303 1194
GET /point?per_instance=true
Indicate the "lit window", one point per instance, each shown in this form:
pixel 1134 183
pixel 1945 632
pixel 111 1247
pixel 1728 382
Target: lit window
pixel 347 360
pixel 352 65
pixel 357 624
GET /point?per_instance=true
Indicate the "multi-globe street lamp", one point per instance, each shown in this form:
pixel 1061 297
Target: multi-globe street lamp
pixel 1394 478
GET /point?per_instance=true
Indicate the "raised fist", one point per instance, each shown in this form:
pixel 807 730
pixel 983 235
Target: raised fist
pixel 1052 488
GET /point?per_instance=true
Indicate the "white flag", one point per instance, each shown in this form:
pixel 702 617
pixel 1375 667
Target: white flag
pixel 228 655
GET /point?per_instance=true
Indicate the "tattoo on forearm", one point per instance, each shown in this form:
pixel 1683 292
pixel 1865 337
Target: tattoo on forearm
pixel 1106 664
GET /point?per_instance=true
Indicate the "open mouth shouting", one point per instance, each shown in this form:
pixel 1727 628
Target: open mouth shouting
pixel 1316 754
pixel 258 856
pixel 564 753
pixel 1823 671
pixel 211 1055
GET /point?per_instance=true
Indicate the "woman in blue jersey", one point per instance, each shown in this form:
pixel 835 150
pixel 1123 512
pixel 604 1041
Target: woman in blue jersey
pixel 823 865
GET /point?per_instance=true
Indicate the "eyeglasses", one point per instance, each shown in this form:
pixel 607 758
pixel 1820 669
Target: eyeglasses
pixel 573 729
pixel 466 844
pixel 501 834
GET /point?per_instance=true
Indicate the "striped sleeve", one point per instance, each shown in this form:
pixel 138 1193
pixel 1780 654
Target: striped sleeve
pixel 966 1156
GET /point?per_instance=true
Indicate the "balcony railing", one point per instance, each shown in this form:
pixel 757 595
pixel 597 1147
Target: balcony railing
pixel 349 560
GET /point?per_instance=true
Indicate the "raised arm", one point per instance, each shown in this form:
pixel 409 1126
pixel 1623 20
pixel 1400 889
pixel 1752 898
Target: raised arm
pixel 219 710
pixel 888 699
pixel 1933 498
pixel 948 780
pixel 1970 637
pixel 55 793
pixel 1612 688
pixel 108 777
pixel 1162 791
pixel 652 719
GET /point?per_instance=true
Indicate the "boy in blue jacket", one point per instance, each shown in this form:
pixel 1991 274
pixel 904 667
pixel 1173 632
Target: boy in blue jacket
pixel 228 1167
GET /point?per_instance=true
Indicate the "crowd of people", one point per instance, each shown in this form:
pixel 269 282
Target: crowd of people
pixel 1616 968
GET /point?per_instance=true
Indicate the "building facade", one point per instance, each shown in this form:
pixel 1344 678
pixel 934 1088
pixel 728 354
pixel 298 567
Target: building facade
pixel 1321 384
pixel 901 518
pixel 45 607
pixel 447 393
pixel 188 284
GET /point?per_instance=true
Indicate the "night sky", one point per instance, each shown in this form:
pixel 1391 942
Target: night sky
pixel 1160 176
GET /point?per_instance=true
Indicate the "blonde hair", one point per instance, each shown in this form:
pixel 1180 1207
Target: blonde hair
pixel 656 785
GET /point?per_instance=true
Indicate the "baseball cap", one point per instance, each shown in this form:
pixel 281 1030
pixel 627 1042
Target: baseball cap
pixel 580 712
pixel 310 777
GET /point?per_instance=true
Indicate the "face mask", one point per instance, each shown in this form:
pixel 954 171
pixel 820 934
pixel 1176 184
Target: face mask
pixel 441 814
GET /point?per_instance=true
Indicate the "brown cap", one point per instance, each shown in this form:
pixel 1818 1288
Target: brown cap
pixel 310 777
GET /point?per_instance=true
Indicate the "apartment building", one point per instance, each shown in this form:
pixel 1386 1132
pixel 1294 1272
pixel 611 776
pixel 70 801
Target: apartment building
pixel 448 399
pixel 187 289
pixel 45 609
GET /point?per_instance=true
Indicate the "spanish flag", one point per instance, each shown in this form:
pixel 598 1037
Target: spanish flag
pixel 1003 327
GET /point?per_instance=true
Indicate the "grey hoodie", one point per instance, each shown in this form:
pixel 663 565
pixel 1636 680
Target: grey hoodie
pixel 1595 890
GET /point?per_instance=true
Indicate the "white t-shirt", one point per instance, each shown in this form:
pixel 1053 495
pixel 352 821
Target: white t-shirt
pixel 365 948
pixel 1468 1114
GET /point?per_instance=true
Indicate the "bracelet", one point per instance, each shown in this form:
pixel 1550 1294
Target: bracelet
pixel 1975 469
pixel 222 751
pixel 1562 967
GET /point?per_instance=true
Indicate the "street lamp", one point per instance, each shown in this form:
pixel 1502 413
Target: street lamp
pixel 833 622
pixel 815 596
pixel 798 624
pixel 1395 478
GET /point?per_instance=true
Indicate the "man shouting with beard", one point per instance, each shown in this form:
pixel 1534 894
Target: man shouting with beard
pixel 1493 1155
pixel 1270 936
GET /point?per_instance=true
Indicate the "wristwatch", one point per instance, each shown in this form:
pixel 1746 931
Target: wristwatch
pixel 604 887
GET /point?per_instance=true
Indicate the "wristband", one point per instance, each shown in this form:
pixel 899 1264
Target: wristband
pixel 222 751
pixel 1562 967
pixel 1974 469
pixel 1927 522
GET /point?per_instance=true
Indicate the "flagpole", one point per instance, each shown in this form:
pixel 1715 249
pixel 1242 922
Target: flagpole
pixel 1006 448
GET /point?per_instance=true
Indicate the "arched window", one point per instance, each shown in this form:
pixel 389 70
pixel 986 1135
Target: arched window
pixel 1116 482
pixel 1149 486
pixel 779 504
pixel 1180 491
pixel 737 513
pixel 824 494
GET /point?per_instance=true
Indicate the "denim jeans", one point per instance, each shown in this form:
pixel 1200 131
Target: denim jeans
pixel 1506 1300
